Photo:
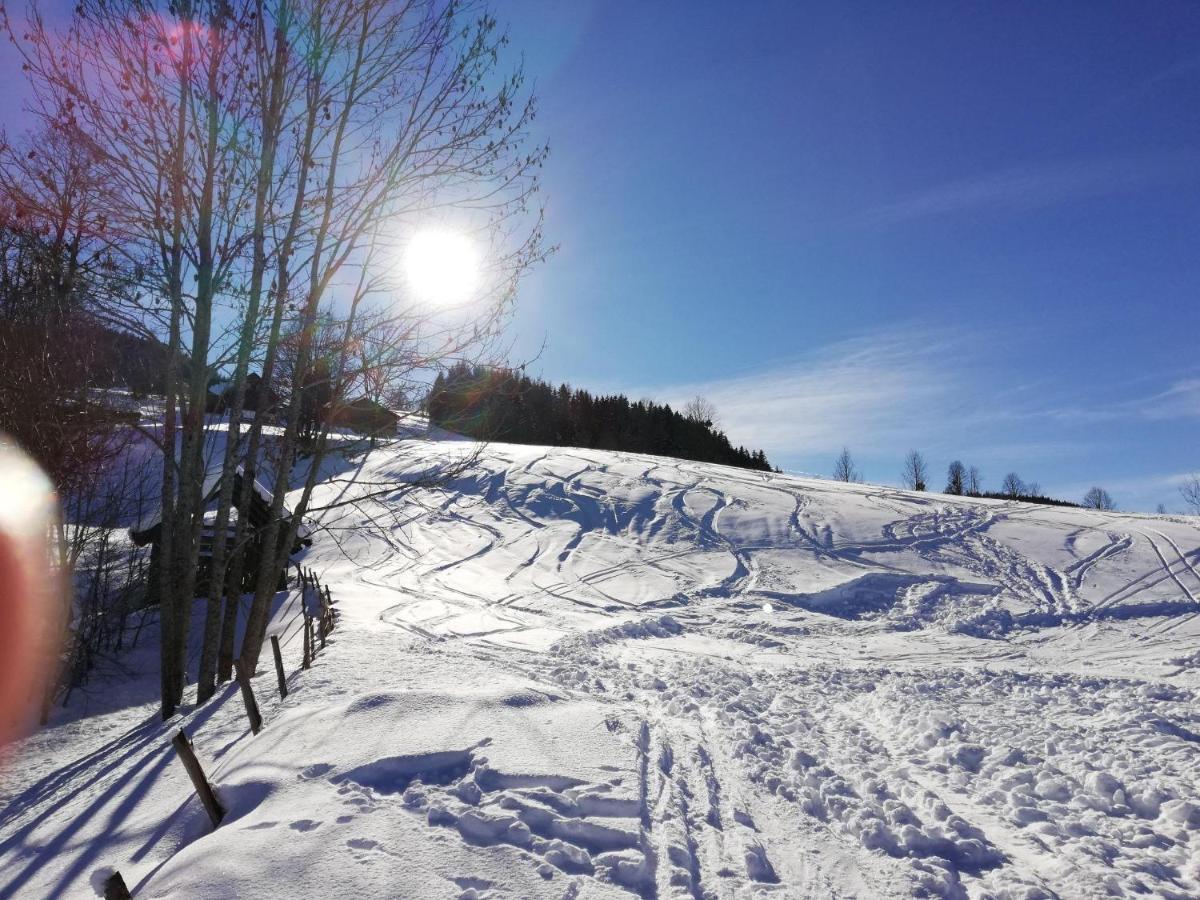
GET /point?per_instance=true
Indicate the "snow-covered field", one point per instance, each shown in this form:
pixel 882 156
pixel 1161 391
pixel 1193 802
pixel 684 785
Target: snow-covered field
pixel 578 674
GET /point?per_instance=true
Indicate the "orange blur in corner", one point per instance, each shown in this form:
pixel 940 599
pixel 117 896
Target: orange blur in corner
pixel 32 603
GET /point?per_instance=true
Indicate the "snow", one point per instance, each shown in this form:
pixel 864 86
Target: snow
pixel 573 673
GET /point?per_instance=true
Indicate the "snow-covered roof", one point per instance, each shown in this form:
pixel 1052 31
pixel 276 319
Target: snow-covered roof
pixel 215 437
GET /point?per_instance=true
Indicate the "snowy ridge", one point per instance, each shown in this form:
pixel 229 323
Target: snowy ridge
pixel 575 673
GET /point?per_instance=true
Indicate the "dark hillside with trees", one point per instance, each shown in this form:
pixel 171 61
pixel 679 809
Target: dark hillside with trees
pixel 507 405
pixel 1038 498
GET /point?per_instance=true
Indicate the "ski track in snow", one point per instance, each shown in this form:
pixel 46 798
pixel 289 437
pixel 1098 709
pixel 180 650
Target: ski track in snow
pixel 732 684
pixel 924 822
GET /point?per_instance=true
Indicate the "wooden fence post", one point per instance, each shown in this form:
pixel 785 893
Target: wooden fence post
pixel 187 756
pixel 279 666
pixel 115 889
pixel 307 643
pixel 252 712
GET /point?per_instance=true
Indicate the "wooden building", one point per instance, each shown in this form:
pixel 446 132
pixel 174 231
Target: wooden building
pixel 149 532
pixel 364 416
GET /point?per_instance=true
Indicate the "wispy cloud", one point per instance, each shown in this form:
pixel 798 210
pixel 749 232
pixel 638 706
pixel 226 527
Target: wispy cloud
pixel 1032 187
pixel 874 392
pixel 1179 400
pixel 1182 399
pixel 1138 93
pixel 887 391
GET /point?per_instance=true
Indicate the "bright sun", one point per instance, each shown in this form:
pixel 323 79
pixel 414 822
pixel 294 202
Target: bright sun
pixel 442 266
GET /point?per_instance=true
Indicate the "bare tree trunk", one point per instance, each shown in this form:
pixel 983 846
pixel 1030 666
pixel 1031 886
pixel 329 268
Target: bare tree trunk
pixel 250 474
pixel 268 574
pixel 210 652
pixel 170 606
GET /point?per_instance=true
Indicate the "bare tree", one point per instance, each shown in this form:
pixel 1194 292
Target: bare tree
pixel 60 290
pixel 955 478
pixel 915 471
pixel 974 484
pixel 1161 509
pixel 1012 486
pixel 701 409
pixel 407 117
pixel 1190 492
pixel 843 467
pixel 158 95
pixel 1098 498
pixel 262 156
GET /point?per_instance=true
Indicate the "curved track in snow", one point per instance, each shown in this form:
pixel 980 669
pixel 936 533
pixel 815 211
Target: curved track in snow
pixel 580 674
pixel 834 690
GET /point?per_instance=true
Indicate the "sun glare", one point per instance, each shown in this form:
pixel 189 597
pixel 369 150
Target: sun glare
pixel 442 266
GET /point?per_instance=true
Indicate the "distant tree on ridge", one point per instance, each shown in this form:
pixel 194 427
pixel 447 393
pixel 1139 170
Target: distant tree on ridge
pixel 1190 492
pixel 701 409
pixel 1012 486
pixel 974 482
pixel 915 471
pixel 1098 498
pixel 955 478
pixel 844 469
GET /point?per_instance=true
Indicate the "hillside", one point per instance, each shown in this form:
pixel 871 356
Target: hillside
pixel 574 673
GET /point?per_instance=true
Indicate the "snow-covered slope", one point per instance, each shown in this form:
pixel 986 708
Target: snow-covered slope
pixel 581 674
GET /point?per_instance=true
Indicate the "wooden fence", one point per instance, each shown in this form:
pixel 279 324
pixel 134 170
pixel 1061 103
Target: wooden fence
pixel 315 619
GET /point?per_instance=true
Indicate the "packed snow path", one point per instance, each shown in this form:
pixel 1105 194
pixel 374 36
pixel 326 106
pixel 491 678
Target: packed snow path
pixel 574 673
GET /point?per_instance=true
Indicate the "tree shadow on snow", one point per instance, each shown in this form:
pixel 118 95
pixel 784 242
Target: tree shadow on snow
pixel 142 768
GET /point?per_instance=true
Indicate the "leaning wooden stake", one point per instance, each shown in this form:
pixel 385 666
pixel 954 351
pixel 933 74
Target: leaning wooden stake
pixel 204 790
pixel 252 712
pixel 279 666
pixel 115 889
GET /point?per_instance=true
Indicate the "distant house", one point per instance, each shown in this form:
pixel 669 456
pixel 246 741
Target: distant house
pixel 220 396
pixel 149 531
pixel 364 416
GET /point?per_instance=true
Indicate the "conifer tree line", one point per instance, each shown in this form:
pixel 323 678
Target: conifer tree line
pixel 507 405
pixel 231 181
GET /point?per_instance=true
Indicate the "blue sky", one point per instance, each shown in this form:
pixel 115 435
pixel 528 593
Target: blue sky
pixel 972 229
